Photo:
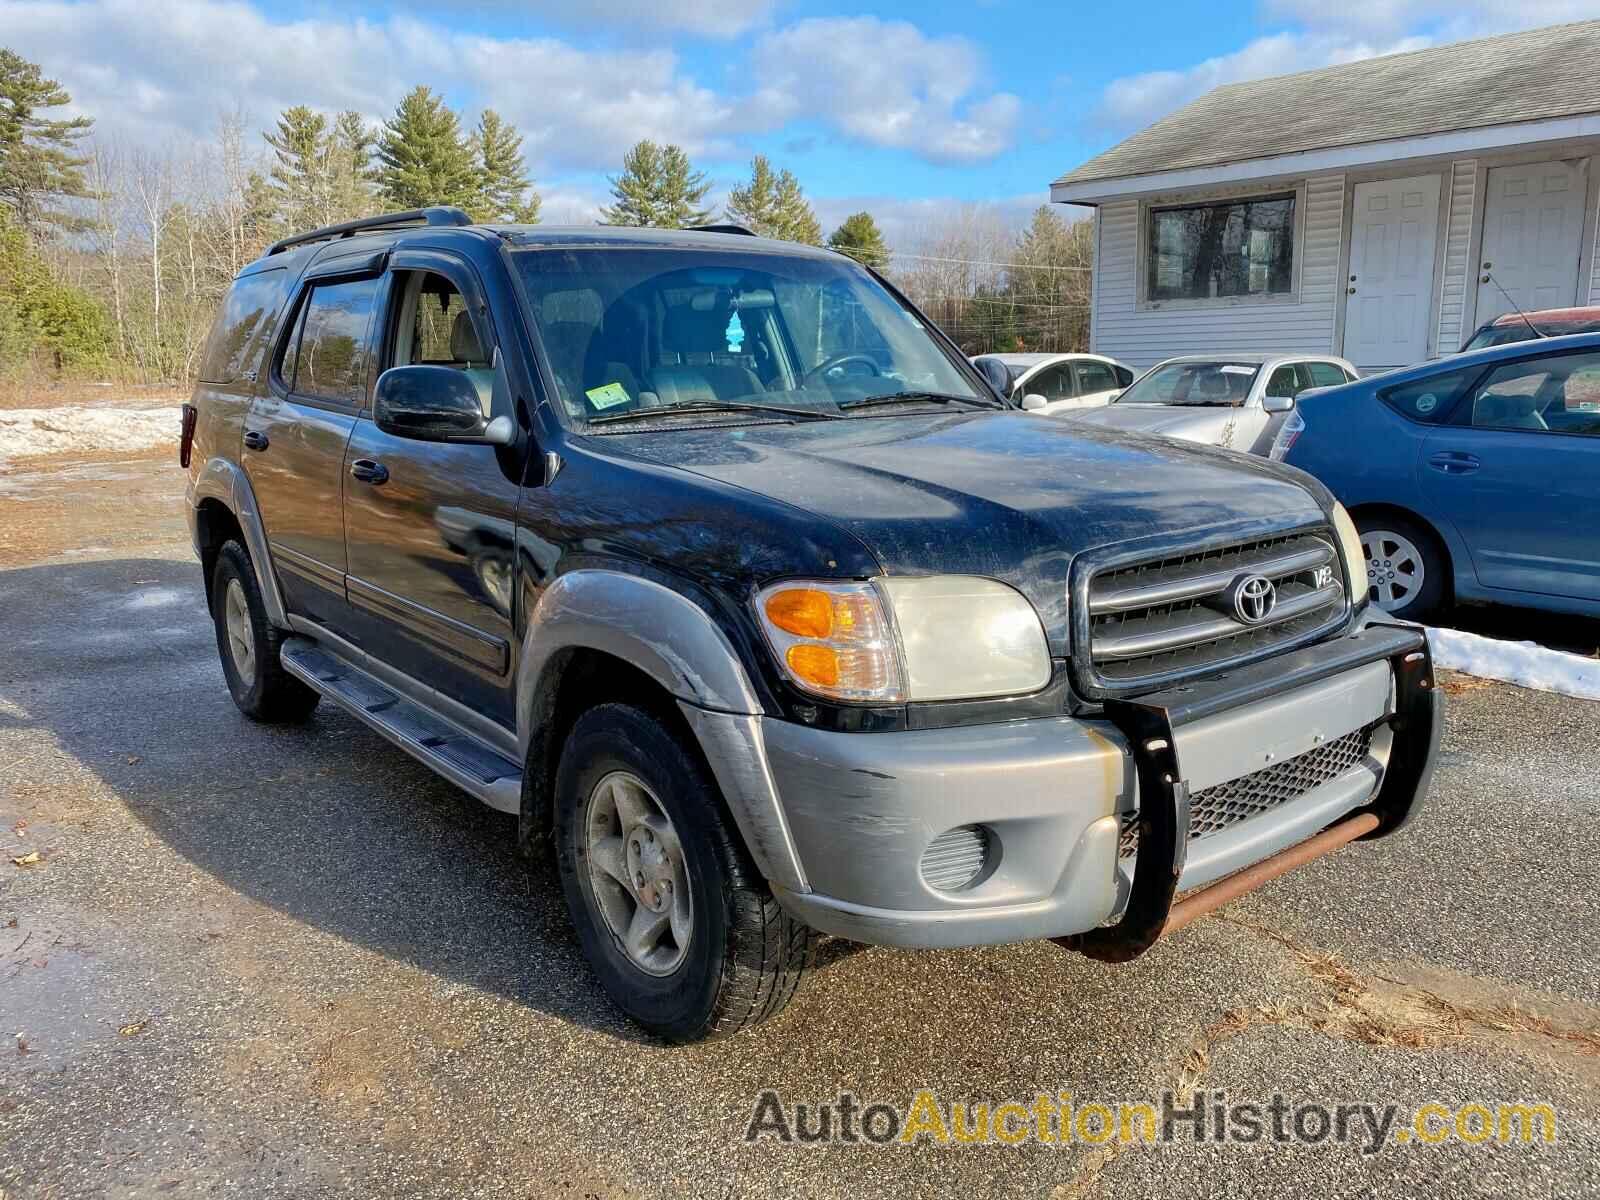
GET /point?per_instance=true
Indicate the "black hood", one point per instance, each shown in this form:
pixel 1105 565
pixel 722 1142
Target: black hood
pixel 998 494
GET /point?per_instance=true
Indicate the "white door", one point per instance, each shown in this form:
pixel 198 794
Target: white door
pixel 1390 290
pixel 1532 237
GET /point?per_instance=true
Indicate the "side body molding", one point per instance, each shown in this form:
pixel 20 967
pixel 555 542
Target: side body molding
pixel 673 640
pixel 226 481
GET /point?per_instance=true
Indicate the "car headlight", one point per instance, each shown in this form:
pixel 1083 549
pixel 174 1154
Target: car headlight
pixel 1354 554
pixel 942 637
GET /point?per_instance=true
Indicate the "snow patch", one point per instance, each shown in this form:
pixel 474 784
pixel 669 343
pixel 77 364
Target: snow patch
pixel 25 432
pixel 1522 663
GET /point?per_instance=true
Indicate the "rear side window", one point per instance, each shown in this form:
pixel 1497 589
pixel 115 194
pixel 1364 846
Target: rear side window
pixel 244 326
pixel 328 356
pixel 1325 374
pixel 1428 400
pixel 1124 376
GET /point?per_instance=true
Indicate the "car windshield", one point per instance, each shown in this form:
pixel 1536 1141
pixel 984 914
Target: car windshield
pixel 1220 383
pixel 643 337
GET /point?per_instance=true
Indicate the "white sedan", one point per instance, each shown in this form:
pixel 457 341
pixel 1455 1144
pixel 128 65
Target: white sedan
pixel 1066 381
pixel 1239 401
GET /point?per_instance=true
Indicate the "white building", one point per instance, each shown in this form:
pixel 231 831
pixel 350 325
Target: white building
pixel 1374 210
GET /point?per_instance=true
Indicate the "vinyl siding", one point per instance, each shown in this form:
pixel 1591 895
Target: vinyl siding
pixel 1594 262
pixel 1463 184
pixel 1141 338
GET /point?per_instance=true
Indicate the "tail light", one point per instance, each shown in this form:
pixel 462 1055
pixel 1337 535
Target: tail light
pixel 1288 433
pixel 186 441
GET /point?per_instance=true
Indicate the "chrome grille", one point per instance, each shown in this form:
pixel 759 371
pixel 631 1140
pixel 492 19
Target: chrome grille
pixel 1216 808
pixel 1159 621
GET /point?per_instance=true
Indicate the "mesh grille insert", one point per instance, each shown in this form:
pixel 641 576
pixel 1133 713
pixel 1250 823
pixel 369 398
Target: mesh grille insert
pixel 1216 808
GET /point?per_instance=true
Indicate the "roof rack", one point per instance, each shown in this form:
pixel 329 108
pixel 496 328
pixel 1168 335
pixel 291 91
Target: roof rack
pixel 739 229
pixel 442 214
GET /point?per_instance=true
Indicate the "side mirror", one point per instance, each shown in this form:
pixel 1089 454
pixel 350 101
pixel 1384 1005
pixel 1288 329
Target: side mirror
pixel 1033 402
pixel 436 404
pixel 1277 404
pixel 998 375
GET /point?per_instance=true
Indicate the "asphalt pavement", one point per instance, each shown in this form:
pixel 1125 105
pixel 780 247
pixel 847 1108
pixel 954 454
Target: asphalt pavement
pixel 253 961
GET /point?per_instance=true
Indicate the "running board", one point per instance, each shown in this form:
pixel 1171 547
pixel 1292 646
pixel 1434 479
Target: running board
pixel 461 758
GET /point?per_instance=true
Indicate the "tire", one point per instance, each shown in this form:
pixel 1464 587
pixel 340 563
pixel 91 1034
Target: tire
pixel 248 645
pixel 1406 567
pixel 631 794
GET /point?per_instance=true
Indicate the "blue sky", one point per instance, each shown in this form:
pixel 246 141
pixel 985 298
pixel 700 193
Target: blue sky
pixel 911 110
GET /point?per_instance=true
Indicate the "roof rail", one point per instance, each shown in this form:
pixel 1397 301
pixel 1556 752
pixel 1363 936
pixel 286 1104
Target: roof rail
pixel 442 214
pixel 739 229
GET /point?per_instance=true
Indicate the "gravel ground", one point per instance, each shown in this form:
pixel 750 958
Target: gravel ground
pixel 290 961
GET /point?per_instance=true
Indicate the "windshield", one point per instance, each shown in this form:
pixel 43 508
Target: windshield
pixel 633 335
pixel 1222 384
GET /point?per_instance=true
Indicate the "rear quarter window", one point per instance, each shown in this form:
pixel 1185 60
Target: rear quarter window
pixel 244 326
pixel 1429 400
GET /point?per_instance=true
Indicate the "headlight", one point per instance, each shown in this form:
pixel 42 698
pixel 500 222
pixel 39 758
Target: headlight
pixel 943 637
pixel 1355 554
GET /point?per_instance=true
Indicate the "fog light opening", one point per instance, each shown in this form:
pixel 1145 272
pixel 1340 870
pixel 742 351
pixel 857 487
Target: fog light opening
pixel 959 859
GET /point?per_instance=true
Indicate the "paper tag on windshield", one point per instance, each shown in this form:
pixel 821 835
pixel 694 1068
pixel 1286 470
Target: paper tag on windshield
pixel 608 395
pixel 1230 369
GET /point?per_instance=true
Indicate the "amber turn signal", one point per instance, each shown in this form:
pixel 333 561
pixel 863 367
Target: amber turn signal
pixel 804 612
pixel 814 664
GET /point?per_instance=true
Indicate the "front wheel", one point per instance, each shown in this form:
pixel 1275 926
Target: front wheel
pixel 1405 568
pixel 682 932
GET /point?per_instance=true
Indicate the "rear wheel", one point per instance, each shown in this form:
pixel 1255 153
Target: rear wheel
pixel 678 925
pixel 248 644
pixel 1405 567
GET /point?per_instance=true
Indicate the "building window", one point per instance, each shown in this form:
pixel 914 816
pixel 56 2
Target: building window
pixel 1222 250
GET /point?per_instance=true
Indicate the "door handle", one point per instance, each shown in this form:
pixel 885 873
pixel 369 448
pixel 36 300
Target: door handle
pixel 254 439
pixel 1454 462
pixel 368 471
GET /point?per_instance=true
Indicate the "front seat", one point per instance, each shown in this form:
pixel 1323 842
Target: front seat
pixel 1496 410
pixel 467 349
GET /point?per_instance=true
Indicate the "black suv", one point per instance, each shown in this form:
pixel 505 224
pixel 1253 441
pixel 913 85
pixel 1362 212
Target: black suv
pixel 716 563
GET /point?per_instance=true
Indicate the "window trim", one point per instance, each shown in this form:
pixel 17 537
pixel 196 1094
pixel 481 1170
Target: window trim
pixel 1143 302
pixel 1461 413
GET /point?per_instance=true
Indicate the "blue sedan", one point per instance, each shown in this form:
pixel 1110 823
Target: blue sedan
pixel 1473 479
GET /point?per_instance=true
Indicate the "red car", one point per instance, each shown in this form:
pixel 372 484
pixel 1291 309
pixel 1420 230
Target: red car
pixel 1548 322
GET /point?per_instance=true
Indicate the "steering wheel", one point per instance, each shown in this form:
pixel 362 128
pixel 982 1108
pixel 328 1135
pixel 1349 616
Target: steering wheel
pixel 828 366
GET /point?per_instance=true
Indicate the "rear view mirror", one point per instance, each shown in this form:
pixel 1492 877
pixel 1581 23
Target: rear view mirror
pixel 1033 402
pixel 436 404
pixel 1277 404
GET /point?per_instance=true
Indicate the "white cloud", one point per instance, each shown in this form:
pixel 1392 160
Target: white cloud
pixel 154 81
pixel 1456 19
pixel 1137 100
pixel 885 83
pixel 710 18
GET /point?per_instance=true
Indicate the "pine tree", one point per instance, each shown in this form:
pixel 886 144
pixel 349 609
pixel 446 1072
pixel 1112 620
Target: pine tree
pixel 773 205
pixel 422 158
pixel 860 238
pixel 658 187
pixel 299 176
pixel 38 165
pixel 506 194
pixel 350 167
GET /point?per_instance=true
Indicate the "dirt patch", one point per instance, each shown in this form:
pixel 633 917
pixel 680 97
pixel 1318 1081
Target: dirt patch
pixel 119 395
pixel 90 504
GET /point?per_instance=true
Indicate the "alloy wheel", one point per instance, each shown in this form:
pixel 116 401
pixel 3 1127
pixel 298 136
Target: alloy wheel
pixel 637 872
pixel 1395 571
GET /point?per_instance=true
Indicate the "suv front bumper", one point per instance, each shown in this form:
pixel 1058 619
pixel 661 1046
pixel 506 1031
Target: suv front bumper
pixel 1052 796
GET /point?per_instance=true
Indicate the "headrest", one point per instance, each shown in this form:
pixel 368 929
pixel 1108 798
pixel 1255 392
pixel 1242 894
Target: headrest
pixel 464 344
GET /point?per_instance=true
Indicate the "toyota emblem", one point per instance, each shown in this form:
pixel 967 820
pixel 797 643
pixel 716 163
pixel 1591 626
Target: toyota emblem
pixel 1254 597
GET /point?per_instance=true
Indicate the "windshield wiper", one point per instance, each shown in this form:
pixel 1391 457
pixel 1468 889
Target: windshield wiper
pixel 916 398
pixel 701 407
